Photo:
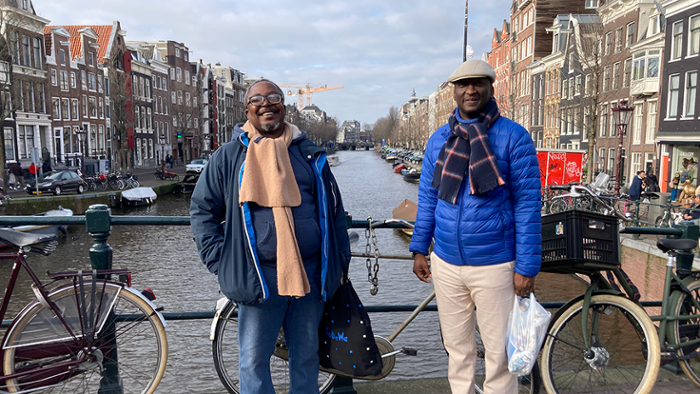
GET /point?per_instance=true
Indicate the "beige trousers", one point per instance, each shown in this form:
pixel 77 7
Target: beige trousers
pixel 490 289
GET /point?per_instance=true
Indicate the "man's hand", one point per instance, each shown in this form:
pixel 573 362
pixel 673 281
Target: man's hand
pixel 687 217
pixel 421 268
pixel 523 284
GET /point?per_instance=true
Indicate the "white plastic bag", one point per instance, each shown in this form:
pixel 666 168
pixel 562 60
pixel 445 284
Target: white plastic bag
pixel 527 327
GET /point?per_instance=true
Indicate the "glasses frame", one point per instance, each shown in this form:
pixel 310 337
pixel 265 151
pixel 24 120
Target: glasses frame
pixel 265 98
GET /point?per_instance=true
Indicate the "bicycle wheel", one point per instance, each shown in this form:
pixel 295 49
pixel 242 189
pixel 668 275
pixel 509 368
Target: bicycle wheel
pixel 226 354
pixel 620 360
pixel 687 330
pixel 529 384
pixel 39 342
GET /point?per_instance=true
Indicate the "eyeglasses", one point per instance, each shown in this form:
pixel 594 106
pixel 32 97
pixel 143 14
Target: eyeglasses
pixel 259 99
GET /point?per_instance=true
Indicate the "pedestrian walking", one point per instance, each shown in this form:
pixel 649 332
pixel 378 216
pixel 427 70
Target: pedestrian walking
pixel 16 170
pixel 277 240
pixel 479 199
pixel 46 167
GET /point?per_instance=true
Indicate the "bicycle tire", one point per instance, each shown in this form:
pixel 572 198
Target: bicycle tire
pixel 225 352
pixel 528 384
pixel 142 348
pixel 688 330
pixel 563 349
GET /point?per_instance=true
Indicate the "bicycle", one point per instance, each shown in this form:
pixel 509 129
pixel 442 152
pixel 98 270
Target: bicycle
pixel 672 215
pixel 224 331
pixel 83 333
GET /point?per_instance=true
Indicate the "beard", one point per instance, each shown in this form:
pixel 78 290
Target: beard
pixel 271 126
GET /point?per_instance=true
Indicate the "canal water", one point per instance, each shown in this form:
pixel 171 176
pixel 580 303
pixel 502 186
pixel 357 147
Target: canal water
pixel 164 258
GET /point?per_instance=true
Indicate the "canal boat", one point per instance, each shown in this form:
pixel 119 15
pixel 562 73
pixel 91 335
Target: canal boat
pixel 411 175
pixel 406 211
pixel 44 228
pixel 138 196
pixel 188 183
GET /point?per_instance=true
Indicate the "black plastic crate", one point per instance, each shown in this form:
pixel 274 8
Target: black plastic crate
pixel 571 240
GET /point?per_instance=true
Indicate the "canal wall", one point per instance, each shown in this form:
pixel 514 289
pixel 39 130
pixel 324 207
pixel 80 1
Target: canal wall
pixel 78 203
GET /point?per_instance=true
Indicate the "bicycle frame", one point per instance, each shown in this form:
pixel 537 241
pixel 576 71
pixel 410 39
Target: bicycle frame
pixel 667 317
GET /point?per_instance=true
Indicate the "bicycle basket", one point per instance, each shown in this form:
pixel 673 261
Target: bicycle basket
pixel 579 242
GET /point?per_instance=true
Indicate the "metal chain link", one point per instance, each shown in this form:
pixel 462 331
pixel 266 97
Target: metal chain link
pixel 372 270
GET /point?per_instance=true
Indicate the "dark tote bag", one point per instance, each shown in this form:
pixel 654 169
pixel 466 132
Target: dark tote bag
pixel 346 342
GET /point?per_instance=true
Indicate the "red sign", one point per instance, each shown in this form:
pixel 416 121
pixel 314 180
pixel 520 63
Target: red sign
pixel 560 167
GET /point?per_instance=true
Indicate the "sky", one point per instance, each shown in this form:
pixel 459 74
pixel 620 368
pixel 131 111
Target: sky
pixel 379 50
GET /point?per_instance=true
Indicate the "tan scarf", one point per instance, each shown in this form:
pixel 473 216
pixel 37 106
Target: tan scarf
pixel 268 180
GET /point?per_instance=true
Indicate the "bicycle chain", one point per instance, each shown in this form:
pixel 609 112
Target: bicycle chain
pixel 372 270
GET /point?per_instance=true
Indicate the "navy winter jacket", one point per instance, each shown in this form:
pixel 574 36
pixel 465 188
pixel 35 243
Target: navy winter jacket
pixel 636 187
pixel 502 226
pixel 224 234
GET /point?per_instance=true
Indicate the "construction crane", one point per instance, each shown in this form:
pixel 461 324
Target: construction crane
pixel 307 90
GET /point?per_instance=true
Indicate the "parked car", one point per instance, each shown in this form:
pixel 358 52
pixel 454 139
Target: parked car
pixel 58 182
pixel 196 165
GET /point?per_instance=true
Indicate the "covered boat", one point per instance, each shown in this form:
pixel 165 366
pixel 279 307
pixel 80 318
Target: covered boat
pixel 44 228
pixel 138 196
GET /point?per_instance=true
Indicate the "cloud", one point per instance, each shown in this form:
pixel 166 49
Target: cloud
pixel 379 50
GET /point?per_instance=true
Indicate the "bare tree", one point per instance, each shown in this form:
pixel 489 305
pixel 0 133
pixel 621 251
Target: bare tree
pixel 122 112
pixel 387 127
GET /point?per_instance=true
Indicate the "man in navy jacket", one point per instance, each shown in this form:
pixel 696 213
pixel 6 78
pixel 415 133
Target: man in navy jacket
pixel 479 199
pixel 237 239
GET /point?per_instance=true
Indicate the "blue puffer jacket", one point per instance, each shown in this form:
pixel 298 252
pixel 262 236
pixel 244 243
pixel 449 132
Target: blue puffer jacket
pixel 504 225
pixel 224 234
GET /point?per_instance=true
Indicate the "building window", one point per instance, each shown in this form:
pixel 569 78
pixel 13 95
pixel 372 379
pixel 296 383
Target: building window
pixel 673 87
pixel 639 66
pixel 187 98
pixel 92 82
pixel 694 39
pixel 100 108
pixel 26 140
pixel 611 160
pixel 637 131
pixel 179 97
pixel 172 74
pixel 601 155
pixel 14 42
pixel 85 106
pixel 608 43
pixel 616 76
pixel 20 96
pixel 37 53
pixel 618 40
pixel 54 80
pixel 630 35
pixel 72 80
pixel 106 87
pixel 603 120
pixel 83 79
pixel 187 77
pixel 42 98
pixel 691 87
pixel 56 109
pixel 9 135
pixel 62 56
pixel 651 122
pixel 30 96
pixel 636 163
pixel 93 107
pixel 91 59
pixel 172 95
pixel 74 108
pixel 677 40
pixel 591 4
pixel 64 109
pixel 64 80
pixel 178 73
pixel 177 52
pixel 628 73
pixel 606 79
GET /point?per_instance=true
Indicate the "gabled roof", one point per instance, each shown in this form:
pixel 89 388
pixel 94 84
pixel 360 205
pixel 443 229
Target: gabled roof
pixel 104 37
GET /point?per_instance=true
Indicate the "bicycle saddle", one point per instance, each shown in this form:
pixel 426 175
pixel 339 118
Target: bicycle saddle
pixel 21 239
pixel 685 245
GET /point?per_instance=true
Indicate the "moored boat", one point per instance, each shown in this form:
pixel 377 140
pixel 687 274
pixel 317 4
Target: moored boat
pixel 138 196
pixel 44 228
pixel 411 175
pixel 406 211
pixel 188 183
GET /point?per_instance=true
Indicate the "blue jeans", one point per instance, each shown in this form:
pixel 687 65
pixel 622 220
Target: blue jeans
pixel 259 325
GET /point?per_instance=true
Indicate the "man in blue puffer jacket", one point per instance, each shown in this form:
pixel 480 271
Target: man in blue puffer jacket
pixel 479 198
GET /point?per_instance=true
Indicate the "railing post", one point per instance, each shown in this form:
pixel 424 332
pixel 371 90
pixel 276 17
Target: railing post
pixel 343 385
pixel 636 218
pixel 98 225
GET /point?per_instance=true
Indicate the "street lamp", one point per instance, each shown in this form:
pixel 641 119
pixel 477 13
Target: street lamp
pixel 82 135
pixel 622 115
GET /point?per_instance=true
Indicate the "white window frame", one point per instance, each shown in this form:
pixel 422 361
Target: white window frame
pixel 687 105
pixel 652 111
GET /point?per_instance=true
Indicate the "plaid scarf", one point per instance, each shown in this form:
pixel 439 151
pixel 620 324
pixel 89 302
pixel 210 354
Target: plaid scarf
pixel 468 147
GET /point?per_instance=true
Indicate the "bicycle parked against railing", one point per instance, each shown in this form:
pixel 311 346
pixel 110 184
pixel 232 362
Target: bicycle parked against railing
pixel 604 339
pixel 672 215
pixel 224 331
pixel 84 333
